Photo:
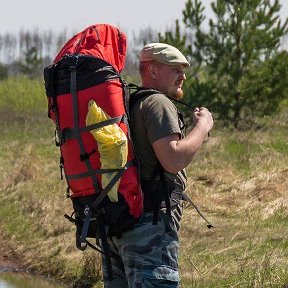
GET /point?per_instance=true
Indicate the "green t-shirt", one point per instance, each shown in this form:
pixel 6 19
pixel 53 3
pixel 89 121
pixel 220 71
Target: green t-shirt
pixel 152 118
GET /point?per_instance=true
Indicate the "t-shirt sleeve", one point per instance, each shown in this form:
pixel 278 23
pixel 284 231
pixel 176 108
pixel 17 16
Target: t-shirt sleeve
pixel 160 117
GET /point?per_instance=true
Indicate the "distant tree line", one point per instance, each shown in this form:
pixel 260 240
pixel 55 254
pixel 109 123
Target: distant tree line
pixel 28 52
pixel 238 68
pixel 13 46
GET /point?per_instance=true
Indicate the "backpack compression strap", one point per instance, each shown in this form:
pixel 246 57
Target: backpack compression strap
pixel 99 199
pixel 73 91
pixel 88 214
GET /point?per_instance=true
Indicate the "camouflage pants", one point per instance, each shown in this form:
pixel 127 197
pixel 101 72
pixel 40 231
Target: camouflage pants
pixel 148 255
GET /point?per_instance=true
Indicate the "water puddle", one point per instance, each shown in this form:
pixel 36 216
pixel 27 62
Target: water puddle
pixel 10 279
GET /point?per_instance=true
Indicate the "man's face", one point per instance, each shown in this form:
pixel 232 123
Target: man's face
pixel 169 79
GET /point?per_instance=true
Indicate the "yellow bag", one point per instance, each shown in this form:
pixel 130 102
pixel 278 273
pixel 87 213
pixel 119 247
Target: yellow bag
pixel 112 146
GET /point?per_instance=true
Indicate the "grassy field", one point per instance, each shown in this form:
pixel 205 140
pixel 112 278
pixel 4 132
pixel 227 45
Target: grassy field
pixel 239 180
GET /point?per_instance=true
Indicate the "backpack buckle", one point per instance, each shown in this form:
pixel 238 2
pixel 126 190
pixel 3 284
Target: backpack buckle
pixel 59 137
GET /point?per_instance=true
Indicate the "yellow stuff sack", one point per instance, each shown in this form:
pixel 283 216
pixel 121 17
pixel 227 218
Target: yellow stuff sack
pixel 112 146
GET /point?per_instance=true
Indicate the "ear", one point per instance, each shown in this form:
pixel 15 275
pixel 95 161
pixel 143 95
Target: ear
pixel 152 71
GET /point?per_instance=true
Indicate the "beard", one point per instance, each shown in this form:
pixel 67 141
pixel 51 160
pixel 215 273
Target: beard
pixel 178 94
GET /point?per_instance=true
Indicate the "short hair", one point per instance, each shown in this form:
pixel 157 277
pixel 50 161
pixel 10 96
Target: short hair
pixel 143 66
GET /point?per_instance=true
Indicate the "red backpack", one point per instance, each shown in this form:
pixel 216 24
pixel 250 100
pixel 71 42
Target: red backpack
pixel 88 69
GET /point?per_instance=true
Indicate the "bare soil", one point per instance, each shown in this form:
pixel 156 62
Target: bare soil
pixel 8 258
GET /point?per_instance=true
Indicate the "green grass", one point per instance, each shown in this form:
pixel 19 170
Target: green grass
pixel 21 94
pixel 239 181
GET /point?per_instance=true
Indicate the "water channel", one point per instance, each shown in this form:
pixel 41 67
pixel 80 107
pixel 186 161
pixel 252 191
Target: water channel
pixel 11 279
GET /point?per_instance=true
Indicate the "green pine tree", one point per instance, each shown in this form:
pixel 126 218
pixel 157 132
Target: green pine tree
pixel 243 73
pixel 176 39
pixel 3 71
pixel 32 63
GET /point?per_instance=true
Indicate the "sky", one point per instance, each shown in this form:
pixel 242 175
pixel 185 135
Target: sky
pixel 128 15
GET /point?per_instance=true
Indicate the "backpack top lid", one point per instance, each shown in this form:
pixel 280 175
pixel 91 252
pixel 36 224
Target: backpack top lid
pixel 101 41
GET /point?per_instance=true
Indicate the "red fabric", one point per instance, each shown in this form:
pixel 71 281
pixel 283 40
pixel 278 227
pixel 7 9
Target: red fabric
pixel 107 43
pixel 100 40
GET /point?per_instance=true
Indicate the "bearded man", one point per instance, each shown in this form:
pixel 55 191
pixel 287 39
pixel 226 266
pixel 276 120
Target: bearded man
pixel 147 254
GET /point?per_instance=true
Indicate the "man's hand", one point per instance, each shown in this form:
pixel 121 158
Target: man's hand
pixel 174 153
pixel 203 119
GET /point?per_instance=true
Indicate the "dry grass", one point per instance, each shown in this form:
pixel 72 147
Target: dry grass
pixel 239 181
pixel 248 247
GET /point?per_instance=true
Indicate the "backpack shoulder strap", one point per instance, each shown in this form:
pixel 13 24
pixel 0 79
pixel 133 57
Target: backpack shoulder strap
pixel 139 94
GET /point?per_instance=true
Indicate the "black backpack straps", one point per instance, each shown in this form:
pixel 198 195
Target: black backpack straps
pixel 99 199
pixel 50 73
pixel 138 94
pixel 73 91
pixel 150 91
pixel 162 192
pixel 166 190
pixel 165 193
pixel 156 197
pixel 100 222
pixel 188 199
pixel 126 94
pixel 70 133
pixel 105 191
pixel 105 245
pixel 82 242
pixel 84 232
pixel 91 72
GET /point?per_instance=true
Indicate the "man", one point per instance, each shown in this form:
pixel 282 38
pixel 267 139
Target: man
pixel 148 253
